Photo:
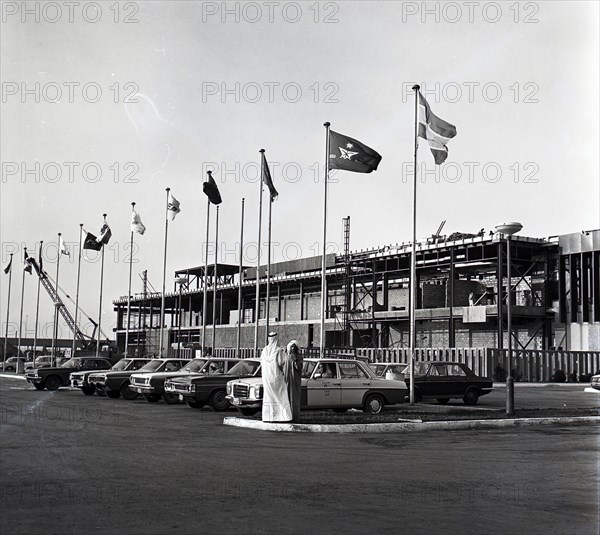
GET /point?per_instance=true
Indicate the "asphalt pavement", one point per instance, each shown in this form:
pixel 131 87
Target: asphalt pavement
pixel 70 463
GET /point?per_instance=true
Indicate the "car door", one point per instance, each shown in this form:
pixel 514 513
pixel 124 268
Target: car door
pixel 458 381
pixel 436 383
pixel 354 383
pixel 323 392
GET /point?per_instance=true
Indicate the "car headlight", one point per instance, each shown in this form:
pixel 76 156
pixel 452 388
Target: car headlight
pixel 228 389
pixel 256 392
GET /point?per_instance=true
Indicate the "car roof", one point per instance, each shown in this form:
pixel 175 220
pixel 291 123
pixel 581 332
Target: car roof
pixel 332 359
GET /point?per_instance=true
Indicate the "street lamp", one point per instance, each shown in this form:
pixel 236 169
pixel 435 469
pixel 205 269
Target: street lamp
pixel 180 281
pixel 508 229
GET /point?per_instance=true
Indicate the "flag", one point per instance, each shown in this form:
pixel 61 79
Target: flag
pixel 435 130
pixel 211 190
pixel 266 178
pixel 105 234
pixel 26 260
pixel 351 155
pixel 91 242
pixel 62 246
pixel 136 223
pixel 173 207
pixel 41 262
pixel 9 266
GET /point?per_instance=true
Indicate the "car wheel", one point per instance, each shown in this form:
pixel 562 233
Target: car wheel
pixel 471 397
pixel 374 404
pixel 247 412
pixel 170 399
pixel 194 404
pixel 127 393
pixel 218 401
pixel 443 401
pixel 151 398
pixel 113 394
pixel 52 382
pixel 88 390
pixel 38 386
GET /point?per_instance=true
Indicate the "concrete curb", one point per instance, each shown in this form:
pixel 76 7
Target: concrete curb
pixel 541 385
pixel 406 426
pixel 12 376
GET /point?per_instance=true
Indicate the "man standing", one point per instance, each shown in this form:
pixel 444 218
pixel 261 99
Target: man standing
pixel 293 374
pixel 276 403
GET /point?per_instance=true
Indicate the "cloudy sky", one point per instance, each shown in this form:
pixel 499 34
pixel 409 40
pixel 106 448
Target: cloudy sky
pixel 101 108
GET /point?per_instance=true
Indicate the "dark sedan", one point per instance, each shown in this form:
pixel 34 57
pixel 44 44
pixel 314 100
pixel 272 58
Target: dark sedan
pixel 444 381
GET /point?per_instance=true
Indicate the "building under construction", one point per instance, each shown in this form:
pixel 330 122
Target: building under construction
pixel 461 298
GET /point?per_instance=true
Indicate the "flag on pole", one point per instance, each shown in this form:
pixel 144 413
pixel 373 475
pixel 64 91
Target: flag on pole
pixel 211 190
pixel 26 260
pixel 173 207
pixel 41 261
pixel 91 242
pixel 435 130
pixel 105 234
pixel 136 223
pixel 62 246
pixel 9 266
pixel 351 155
pixel 266 178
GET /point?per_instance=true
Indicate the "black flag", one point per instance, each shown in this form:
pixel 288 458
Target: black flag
pixel 211 190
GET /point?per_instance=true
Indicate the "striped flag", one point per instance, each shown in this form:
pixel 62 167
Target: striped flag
pixel 105 233
pixel 435 130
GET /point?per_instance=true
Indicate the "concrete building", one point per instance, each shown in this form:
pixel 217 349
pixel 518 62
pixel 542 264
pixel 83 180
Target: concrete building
pixel 461 301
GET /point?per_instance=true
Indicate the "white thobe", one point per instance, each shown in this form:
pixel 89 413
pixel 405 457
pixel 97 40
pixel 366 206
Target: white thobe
pixel 276 403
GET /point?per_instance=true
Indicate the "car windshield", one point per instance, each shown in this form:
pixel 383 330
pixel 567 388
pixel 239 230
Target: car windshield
pixel 152 366
pixel 121 365
pixel 307 368
pixel 71 363
pixel 419 369
pixel 244 367
pixel 195 365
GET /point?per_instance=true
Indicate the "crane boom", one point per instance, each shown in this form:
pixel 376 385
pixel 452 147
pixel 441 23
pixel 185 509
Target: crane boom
pixel 64 311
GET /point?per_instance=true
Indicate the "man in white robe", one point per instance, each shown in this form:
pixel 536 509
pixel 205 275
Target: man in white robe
pixel 276 403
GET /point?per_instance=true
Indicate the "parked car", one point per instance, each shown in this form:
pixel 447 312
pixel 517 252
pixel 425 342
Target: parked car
pixel 329 383
pixel 200 389
pixel 54 378
pixel 389 370
pixel 80 379
pixel 595 382
pixel 444 381
pixel 116 383
pixel 11 364
pixel 152 385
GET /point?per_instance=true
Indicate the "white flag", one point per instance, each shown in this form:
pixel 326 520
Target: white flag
pixel 136 223
pixel 63 247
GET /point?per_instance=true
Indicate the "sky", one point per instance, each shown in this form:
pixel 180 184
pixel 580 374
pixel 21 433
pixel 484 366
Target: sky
pixel 105 107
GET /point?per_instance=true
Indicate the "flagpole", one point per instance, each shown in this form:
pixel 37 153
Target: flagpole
pixel 214 308
pixel 257 306
pixel 129 286
pixel 268 304
pixel 162 298
pixel 21 317
pixel 100 305
pixel 8 310
pixel 77 290
pixel 55 324
pixel 413 258
pixel 239 329
pixel 205 288
pixel 323 266
pixel 37 302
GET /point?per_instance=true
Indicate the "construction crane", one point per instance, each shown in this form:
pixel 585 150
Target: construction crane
pixel 85 341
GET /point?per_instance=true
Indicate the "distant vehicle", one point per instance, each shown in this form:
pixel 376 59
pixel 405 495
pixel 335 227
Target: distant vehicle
pixel 152 385
pixel 11 364
pixel 79 379
pixel 200 389
pixel 114 384
pixel 595 382
pixel 54 378
pixel 389 370
pixel 444 381
pixel 338 384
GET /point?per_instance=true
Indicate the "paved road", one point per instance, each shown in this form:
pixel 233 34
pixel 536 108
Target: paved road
pixel 77 464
